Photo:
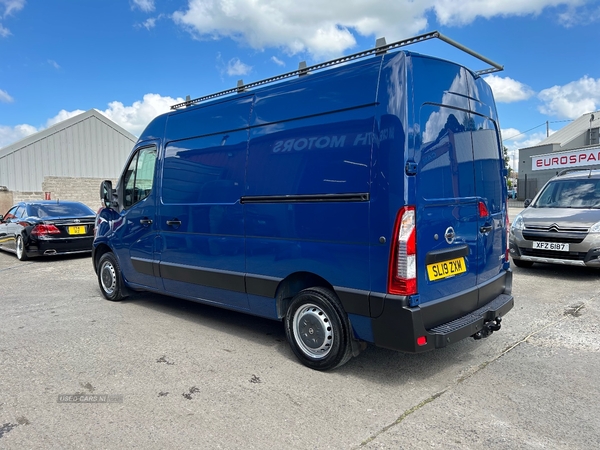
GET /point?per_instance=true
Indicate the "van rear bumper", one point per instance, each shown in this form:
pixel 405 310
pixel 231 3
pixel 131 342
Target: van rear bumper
pixel 399 326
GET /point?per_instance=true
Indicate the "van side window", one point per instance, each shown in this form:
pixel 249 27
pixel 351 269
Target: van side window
pixel 205 170
pixel 139 176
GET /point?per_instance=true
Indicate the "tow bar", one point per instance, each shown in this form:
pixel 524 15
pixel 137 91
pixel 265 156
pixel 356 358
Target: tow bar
pixel 488 328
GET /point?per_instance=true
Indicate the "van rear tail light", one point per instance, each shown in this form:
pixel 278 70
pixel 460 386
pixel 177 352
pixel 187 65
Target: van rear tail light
pixel 44 230
pixel 402 271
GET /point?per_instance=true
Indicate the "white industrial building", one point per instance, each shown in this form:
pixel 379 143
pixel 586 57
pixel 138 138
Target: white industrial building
pixel 67 160
pixel 576 145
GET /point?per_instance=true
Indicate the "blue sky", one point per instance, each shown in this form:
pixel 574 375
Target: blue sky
pixel 132 59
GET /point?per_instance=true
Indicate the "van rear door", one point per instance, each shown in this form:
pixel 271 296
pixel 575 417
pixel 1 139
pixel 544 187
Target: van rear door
pixel 490 189
pixel 447 207
pixel 460 213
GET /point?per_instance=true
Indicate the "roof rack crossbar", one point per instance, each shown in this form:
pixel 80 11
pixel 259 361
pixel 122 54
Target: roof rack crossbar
pixel 575 169
pixel 344 59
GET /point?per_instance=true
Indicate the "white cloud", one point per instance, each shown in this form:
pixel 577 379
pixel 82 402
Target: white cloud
pixel 9 135
pixel 144 5
pixel 62 115
pixel 133 118
pixel 53 64
pixel 329 28
pixel 583 15
pixel 514 139
pixel 10 6
pixel 150 23
pixel 509 134
pixel 7 7
pixel 236 67
pixel 5 97
pixel 571 100
pixel 277 61
pixel 448 13
pixel 507 90
pixel 321 28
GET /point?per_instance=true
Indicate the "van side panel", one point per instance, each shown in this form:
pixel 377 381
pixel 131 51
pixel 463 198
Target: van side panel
pixel 230 114
pixel 306 202
pixel 200 216
pixel 388 181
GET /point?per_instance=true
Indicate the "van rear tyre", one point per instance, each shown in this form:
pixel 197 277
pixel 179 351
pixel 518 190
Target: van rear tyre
pixel 317 329
pixel 109 278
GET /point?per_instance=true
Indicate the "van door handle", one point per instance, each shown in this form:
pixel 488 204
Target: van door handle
pixel 174 223
pixel 485 229
pixel 145 221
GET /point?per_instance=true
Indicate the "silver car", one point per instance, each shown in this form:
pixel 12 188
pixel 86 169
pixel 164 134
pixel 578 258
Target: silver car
pixel 562 223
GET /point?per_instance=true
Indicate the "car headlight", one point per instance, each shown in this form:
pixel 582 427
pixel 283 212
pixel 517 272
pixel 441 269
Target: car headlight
pixel 519 224
pixel 595 228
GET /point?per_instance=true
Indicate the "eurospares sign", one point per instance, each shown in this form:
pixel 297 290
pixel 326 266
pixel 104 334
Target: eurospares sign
pixel 574 158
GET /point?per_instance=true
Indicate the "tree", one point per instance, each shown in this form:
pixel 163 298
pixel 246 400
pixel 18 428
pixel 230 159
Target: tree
pixel 507 161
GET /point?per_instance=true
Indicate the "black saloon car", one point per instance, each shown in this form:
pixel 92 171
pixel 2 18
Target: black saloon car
pixel 38 228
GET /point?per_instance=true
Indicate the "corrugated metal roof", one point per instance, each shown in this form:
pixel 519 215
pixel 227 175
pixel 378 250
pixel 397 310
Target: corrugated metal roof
pixel 61 126
pixel 88 145
pixel 574 130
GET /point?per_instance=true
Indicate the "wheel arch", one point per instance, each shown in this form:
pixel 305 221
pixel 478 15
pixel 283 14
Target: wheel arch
pixel 98 251
pixel 294 283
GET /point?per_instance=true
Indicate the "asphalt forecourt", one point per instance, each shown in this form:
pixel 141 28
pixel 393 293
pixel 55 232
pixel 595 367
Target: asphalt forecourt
pixel 77 371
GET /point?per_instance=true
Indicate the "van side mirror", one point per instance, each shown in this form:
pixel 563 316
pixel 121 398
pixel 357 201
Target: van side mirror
pixel 107 194
pixel 1 217
pixel 526 203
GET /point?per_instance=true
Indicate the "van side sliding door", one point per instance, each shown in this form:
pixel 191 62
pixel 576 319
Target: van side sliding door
pixel 201 218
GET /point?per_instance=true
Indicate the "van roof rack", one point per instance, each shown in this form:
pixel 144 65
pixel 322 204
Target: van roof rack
pixel 380 48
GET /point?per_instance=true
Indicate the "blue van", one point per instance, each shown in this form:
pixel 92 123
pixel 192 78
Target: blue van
pixel 359 201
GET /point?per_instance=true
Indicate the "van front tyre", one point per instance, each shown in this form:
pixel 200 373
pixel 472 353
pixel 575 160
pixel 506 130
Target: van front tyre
pixel 317 329
pixel 109 278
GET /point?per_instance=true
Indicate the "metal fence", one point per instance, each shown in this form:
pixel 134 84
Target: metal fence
pixel 515 203
pixel 528 187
